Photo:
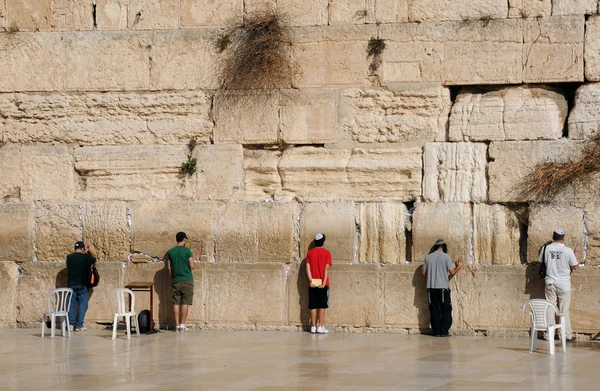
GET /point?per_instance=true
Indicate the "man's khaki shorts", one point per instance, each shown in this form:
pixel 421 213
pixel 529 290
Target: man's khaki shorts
pixel 183 292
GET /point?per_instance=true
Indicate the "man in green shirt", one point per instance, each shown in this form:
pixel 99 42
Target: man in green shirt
pixel 180 264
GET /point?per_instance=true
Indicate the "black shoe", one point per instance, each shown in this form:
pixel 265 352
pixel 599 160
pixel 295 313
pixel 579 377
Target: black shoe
pixel 445 335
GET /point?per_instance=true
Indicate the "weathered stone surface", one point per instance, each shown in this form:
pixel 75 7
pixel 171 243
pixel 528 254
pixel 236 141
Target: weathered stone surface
pixel 9 279
pixel 107 61
pixel 111 14
pixel 320 174
pixel 151 14
pixel 405 113
pixel 422 10
pixel 43 15
pixel 382 232
pixel 220 173
pixel 336 221
pixel 405 299
pixel 514 113
pixel 10 173
pixel 111 277
pixel 261 176
pixel 3 21
pixel 305 13
pixel 448 221
pixel 47 173
pixel 392 11
pixel 544 219
pixel 510 161
pixel 57 228
pixel 16 232
pixel 592 49
pixel 574 7
pixel 251 119
pixel 309 116
pixel 584 300
pixel 257 232
pixel 106 118
pixel 107 227
pixel 131 172
pixel 529 8
pixel 32 62
pixel 154 225
pixel 495 235
pixel 592 228
pixel 240 293
pixel 200 13
pixel 349 11
pixel 584 119
pixel 553 49
pixel 455 172
pixel 361 283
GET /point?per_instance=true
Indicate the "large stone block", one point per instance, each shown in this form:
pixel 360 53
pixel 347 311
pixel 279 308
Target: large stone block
pixel 529 8
pixel 111 277
pixel 592 49
pixel 36 280
pixel 16 232
pixel 584 119
pixel 448 221
pixel 405 301
pixel 305 13
pixel 574 7
pixel 47 173
pixel 220 173
pixel 3 21
pixel 201 13
pixel 10 173
pixel 44 15
pixel 32 62
pixel 392 11
pixel 592 228
pixel 514 113
pixel 553 49
pixel 496 235
pixel 400 114
pixel 9 278
pixel 383 229
pixel 351 11
pixel 154 225
pixel 257 232
pixel 57 228
pixel 132 172
pixel 240 293
pixel 150 14
pixel 511 161
pixel 584 300
pixel 107 226
pixel 422 10
pixel 106 118
pixel 337 222
pixel 544 219
pixel 455 172
pixel 261 177
pixel 107 61
pixel 111 14
pixel 309 116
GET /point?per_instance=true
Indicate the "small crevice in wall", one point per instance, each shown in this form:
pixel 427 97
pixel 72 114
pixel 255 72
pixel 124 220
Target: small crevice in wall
pixel 94 15
pixel 521 211
pixel 568 90
pixel 408 236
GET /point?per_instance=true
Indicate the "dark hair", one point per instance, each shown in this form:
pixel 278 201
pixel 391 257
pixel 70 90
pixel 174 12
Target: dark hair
pixel 556 236
pixel 435 247
pixel 319 243
pixel 180 236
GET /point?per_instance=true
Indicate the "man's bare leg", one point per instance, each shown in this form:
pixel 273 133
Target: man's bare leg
pixel 176 314
pixel 184 313
pixel 313 317
pixel 321 316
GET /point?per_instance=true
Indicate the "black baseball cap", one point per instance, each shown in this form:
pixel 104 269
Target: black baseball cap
pixel 180 236
pixel 79 245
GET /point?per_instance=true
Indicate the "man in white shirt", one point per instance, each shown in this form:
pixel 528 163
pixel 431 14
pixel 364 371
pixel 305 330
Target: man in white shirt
pixel 560 262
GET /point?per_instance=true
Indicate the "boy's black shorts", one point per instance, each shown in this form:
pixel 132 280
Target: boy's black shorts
pixel 318 298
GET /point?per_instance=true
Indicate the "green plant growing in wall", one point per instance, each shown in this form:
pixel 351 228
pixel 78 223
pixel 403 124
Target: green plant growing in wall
pixel 189 167
pixel 222 42
pixel 375 49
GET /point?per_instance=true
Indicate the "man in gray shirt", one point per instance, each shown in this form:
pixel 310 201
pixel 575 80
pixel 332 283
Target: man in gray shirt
pixel 438 268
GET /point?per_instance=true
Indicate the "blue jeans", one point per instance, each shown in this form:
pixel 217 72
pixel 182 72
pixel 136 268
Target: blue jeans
pixel 80 296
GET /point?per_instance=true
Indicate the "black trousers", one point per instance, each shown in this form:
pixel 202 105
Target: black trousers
pixel 440 310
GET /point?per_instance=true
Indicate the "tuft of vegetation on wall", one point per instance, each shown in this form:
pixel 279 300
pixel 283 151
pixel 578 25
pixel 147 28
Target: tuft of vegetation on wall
pixel 188 168
pixel 375 49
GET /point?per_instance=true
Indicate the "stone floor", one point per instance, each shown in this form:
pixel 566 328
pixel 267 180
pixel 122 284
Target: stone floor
pixel 265 360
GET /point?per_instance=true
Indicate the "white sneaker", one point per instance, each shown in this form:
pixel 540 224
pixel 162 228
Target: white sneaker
pixel 322 330
pixel 183 328
pixel 71 328
pixel 313 329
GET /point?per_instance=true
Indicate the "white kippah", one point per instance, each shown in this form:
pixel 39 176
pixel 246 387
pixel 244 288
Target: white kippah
pixel 319 236
pixel 559 231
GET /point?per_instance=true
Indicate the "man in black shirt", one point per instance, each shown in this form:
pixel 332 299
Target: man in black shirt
pixel 78 266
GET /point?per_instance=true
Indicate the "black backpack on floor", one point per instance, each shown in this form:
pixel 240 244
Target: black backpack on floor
pixel 144 321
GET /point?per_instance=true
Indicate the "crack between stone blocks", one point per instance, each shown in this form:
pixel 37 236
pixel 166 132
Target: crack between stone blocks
pixel 471 229
pixel 585 236
pixel 130 227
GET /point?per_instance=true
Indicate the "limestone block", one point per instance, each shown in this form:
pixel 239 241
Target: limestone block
pixel 106 118
pixel 111 277
pixel 529 8
pixel 495 235
pixel 455 172
pixel 337 222
pixel 346 62
pixel 422 10
pixel 16 232
pixel 544 219
pixel 511 161
pixel 584 300
pixel 309 116
pixel 240 293
pixel 107 61
pixel 382 232
pixel 200 13
pixel 515 113
pixel 10 173
pixel 592 227
pixel 36 280
pixel 305 13
pixel 9 278
pixel 350 11
pixel 354 296
pixel 407 113
pixel 111 14
pixel 131 172
pixel 32 62
pixel 574 7
pixel 592 49
pixel 584 119
pixel 41 15
pixel 309 58
pixel 3 22
pixel 220 171
pixel 257 232
pixel 253 7
pixel 391 11
pixel 251 119
pixel 47 173
pixel 184 59
pixel 553 49
pixel 152 14
pixel 448 221
pixel 107 227
pixel 155 224
pixel 261 176
pixel 57 228
pixel 405 302
pixel 297 294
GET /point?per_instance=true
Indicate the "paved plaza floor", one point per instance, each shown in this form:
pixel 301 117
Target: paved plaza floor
pixel 271 361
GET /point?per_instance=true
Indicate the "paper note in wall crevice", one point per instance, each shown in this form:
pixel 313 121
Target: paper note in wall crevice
pixel 317 281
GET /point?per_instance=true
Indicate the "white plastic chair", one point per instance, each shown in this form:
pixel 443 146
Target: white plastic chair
pixel 540 311
pixel 119 299
pixel 59 302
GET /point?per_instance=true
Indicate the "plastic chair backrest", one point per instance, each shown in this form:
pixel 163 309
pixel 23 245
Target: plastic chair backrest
pixel 538 310
pixel 59 300
pixel 119 300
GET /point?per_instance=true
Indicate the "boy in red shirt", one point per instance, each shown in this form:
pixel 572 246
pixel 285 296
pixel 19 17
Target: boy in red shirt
pixel 318 261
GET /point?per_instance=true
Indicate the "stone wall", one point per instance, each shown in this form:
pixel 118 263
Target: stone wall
pixel 100 98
